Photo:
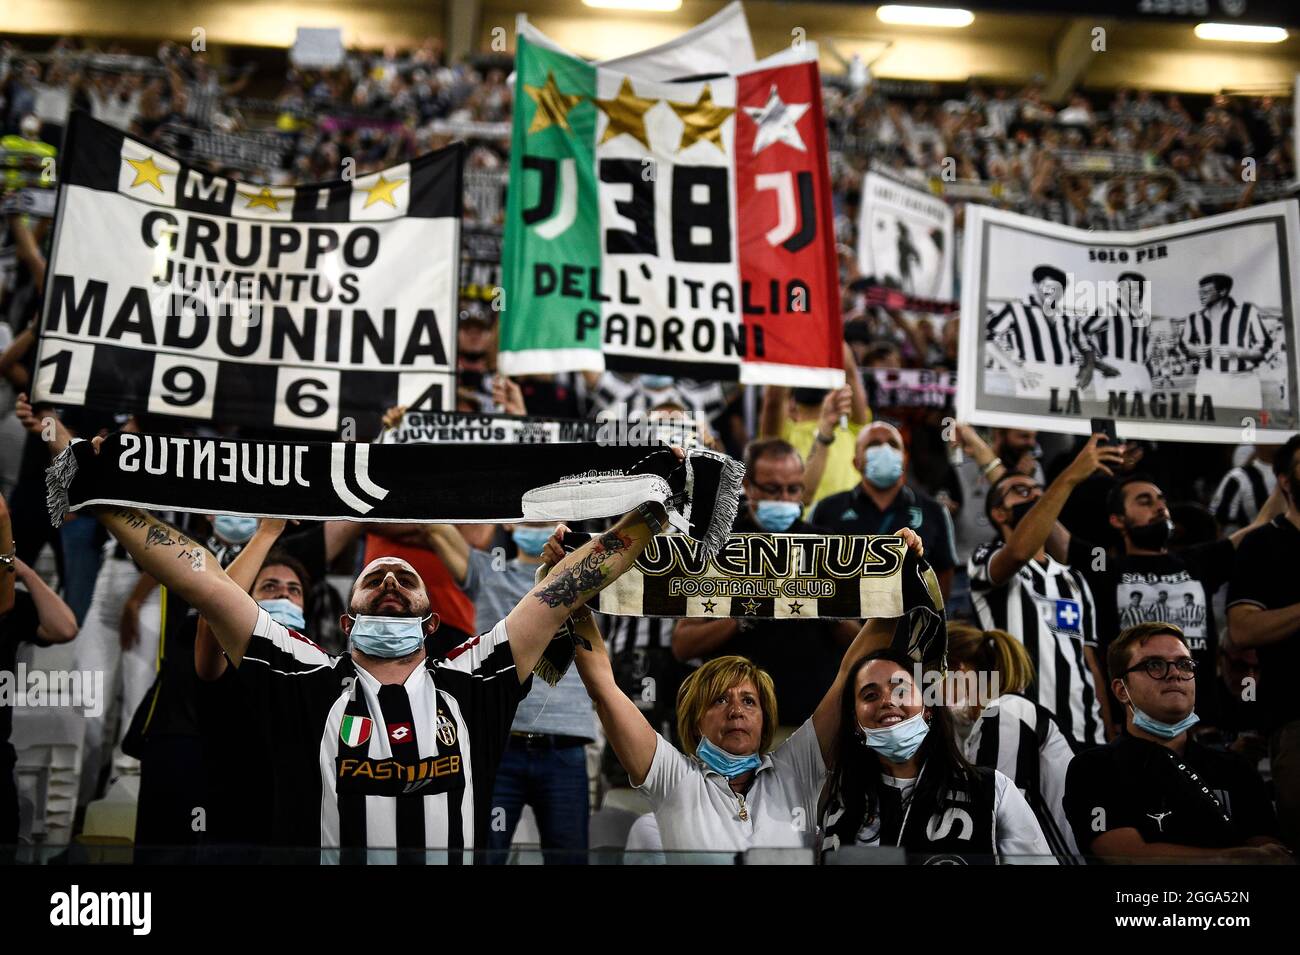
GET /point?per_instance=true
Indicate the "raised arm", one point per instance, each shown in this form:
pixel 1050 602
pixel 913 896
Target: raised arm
pixel 167 555
pixel 876 634
pixel 57 624
pixel 772 413
pixel 629 733
pixel 451 547
pixel 1031 534
pixel 1275 505
pixel 836 405
pixel 209 662
pixel 575 580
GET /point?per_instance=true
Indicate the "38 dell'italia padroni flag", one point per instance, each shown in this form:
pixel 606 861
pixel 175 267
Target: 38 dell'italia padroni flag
pixel 679 227
pixel 179 293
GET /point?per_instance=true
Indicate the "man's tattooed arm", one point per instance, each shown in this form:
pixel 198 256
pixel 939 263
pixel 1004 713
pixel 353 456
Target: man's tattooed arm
pixel 566 587
pixel 184 567
pixel 573 581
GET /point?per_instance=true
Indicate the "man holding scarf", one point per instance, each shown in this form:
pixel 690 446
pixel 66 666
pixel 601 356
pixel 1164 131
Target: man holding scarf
pixel 381 746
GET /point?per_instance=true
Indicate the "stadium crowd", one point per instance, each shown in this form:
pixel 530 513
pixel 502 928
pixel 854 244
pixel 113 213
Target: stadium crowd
pixel 1130 598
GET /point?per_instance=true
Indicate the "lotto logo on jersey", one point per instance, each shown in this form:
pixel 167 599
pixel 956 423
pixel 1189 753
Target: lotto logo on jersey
pixel 400 732
pixel 1069 616
pixel 355 730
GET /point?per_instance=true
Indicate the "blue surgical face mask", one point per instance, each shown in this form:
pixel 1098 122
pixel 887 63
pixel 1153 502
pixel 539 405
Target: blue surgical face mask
pixel 284 612
pixel 884 465
pixel 234 530
pixel 897 743
pixel 1164 730
pixel 776 516
pixel 531 540
pixel 657 382
pixel 723 763
pixel 390 637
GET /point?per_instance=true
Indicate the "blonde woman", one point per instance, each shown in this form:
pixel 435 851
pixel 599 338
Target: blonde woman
pixel 1001 728
pixel 726 790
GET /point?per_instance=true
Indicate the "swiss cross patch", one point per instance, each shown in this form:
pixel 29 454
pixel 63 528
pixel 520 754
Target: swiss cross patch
pixel 400 732
pixel 1068 616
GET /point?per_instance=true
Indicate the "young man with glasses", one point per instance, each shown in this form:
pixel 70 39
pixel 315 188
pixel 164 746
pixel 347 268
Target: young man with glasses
pixel 1018 587
pixel 1153 793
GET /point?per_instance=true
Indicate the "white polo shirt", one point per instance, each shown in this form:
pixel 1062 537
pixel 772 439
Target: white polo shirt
pixel 698 812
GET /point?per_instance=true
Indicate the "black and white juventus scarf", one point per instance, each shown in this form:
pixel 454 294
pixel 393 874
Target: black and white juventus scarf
pixel 785 577
pixel 466 484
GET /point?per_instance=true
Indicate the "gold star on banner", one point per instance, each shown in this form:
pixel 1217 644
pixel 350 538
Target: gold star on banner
pixel 146 170
pixel 701 120
pixel 709 606
pixel 750 606
pixel 552 105
pixel 263 198
pixel 795 608
pixel 626 113
pixel 382 191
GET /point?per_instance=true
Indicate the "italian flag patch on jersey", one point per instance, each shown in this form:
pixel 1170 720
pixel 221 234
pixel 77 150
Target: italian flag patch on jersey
pixel 355 730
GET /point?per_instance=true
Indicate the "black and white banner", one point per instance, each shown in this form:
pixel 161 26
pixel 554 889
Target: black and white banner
pixel 457 427
pixel 609 428
pixel 1183 332
pixel 174 292
pixel 905 238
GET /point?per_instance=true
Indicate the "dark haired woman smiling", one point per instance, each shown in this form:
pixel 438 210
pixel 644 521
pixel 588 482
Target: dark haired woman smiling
pixel 899 779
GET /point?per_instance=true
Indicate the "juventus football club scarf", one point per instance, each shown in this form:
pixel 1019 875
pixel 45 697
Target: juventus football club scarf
pixel 467 484
pixel 780 577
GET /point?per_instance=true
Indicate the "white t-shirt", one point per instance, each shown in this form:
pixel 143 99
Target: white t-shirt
pixel 644 847
pixel 698 812
pixel 1016 831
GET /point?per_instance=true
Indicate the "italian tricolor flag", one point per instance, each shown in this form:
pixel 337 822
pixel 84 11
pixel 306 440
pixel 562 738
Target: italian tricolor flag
pixel 355 730
pixel 680 228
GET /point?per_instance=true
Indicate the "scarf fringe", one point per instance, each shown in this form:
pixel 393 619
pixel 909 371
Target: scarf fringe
pixel 58 483
pixel 726 504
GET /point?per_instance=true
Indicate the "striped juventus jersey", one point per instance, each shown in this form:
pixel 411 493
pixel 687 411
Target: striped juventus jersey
pixel 1241 494
pixel 1237 326
pixel 1118 336
pixel 362 766
pixel 1021 739
pixel 1050 609
pixel 1024 330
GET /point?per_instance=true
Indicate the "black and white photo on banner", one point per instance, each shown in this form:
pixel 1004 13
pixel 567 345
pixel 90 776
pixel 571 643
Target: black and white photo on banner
pixel 179 293
pixel 905 238
pixel 1183 332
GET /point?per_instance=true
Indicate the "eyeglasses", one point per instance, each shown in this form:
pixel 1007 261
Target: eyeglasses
pixel 1158 668
pixel 1021 491
pixel 776 490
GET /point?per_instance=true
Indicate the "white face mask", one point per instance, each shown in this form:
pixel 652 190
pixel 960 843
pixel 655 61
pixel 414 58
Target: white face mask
pixel 390 637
